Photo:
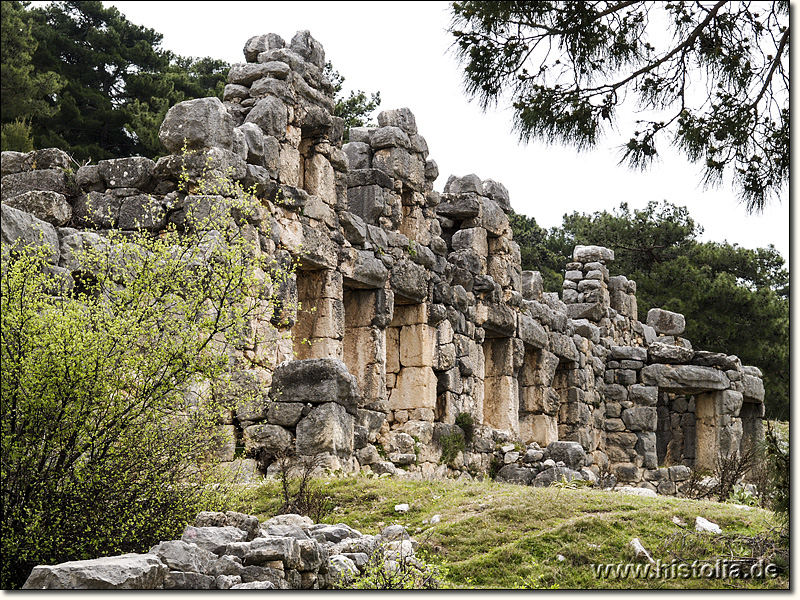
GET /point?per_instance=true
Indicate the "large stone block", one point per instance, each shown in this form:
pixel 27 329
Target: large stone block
pixel 328 428
pixel 666 322
pixel 315 381
pixel 125 572
pixel 501 403
pixel 54 180
pixel 687 379
pixel 48 206
pixel 541 429
pixel 21 228
pixel 196 125
pixel 271 115
pixel 409 281
pixel 417 345
pixel 415 387
pixel 269 439
pixel 640 418
pixel 586 254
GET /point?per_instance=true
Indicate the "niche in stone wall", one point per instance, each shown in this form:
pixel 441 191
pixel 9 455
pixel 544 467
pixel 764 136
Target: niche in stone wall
pixel 675 431
pixel 538 400
pixel 752 425
pixel 503 358
pixel 319 329
pixel 410 350
pixel 364 343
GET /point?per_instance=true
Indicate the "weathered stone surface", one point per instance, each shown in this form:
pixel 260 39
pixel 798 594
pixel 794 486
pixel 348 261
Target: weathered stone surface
pixel 548 476
pixel 24 229
pixel 666 322
pixel 271 115
pixel 125 572
pixel 640 418
pixel 667 353
pixel 177 580
pixel 54 180
pixel 265 549
pixel 328 428
pixel 213 538
pixel 50 207
pixel 688 379
pixel 315 381
pixel 409 280
pixel 183 556
pixel 268 439
pixel 134 172
pixel 514 474
pixel 197 125
pixel 586 254
pixel 571 453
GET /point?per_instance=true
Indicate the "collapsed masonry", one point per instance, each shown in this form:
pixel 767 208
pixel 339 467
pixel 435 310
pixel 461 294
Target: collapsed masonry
pixel 414 308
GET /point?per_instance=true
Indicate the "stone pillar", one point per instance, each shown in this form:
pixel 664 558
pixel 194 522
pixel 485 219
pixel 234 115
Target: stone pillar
pixel 586 283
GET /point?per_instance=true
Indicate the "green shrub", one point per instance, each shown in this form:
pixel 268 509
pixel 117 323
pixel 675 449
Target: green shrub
pixel 467 424
pixel 104 451
pixel 776 454
pixel 452 444
pixel 16 136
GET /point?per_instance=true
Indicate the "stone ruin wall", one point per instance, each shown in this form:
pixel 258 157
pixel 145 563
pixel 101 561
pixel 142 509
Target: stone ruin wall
pixel 413 307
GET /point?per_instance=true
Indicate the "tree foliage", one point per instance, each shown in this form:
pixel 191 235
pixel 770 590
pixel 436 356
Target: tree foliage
pixel 736 300
pixel 91 82
pixel 107 433
pixel 356 109
pixel 711 77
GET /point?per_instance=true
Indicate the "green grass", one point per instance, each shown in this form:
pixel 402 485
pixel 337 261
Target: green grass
pixel 501 536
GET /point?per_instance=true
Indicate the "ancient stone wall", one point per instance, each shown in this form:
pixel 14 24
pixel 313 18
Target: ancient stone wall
pixel 408 340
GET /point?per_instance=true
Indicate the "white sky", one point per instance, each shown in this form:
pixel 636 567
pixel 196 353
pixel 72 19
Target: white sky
pixel 402 50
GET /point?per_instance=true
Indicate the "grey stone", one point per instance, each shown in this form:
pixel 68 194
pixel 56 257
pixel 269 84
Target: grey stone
pixel 213 538
pixel 629 353
pixel 266 549
pixel 531 332
pixel 261 43
pixel 571 453
pixel 401 117
pixel 328 428
pixel 359 154
pixel 554 474
pixel 688 379
pixel 667 353
pixel 497 192
pixel 134 172
pixel 753 388
pixel 316 381
pixel 23 229
pixel 409 280
pixel 666 322
pixel 125 572
pixel 304 44
pixel 177 580
pixel 386 137
pixel 459 206
pixel 53 180
pixel 643 395
pixel 269 439
pixel 48 206
pixel 586 254
pixel 512 473
pixel 271 115
pixel 197 125
pixel 640 418
pixel 183 556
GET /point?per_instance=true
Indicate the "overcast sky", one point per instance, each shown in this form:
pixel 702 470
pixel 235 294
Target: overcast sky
pixel 402 49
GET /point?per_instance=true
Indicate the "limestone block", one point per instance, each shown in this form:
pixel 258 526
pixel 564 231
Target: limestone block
pixel 196 125
pixel 473 238
pixel 539 400
pixel 387 137
pixel 666 322
pixel 328 428
pixel 48 206
pixel 400 164
pixel 501 403
pixel 392 350
pixel 400 117
pixel 563 347
pixel 271 439
pixel 415 387
pixel 571 453
pixel 417 345
pixel 497 192
pixel 316 381
pixel 687 379
pixel 134 172
pixel 25 229
pixel 127 572
pixel 40 180
pixel 319 178
pixel 531 332
pixel 640 418
pixel 459 206
pixel 359 154
pixel 585 254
